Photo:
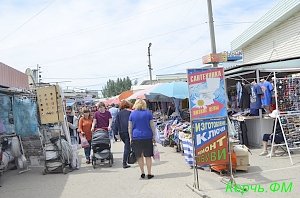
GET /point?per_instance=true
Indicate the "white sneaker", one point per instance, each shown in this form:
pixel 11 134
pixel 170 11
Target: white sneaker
pixel 270 155
pixel 263 153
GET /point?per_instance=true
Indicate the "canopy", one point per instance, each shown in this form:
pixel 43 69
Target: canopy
pixel 112 100
pixel 178 90
pixel 141 93
pixel 124 95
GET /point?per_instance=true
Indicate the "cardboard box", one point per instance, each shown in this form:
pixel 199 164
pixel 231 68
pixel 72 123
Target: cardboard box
pixel 242 157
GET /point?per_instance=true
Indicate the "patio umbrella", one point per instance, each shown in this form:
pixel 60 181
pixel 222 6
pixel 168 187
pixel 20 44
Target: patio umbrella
pixel 124 95
pixel 112 100
pixel 178 90
pixel 141 93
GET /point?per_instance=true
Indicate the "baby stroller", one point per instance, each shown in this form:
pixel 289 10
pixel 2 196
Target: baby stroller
pixel 101 147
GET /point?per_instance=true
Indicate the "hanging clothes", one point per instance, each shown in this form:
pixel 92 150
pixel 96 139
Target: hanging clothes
pixel 241 128
pixel 267 89
pixel 255 99
pixel 245 98
pixel 239 89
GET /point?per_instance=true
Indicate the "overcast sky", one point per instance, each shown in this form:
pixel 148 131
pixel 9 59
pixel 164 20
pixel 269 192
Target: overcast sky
pixel 86 42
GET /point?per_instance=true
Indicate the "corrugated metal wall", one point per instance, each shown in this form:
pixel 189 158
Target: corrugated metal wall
pixel 10 77
pixel 282 41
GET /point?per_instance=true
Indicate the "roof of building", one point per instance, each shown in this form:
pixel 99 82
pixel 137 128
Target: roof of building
pixel 12 78
pixel 277 15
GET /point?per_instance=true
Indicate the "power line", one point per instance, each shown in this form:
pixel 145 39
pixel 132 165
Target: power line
pixel 112 23
pixel 124 44
pixel 137 75
pixel 27 21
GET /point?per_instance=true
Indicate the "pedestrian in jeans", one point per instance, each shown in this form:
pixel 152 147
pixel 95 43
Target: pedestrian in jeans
pixel 121 127
pixel 142 135
pixel 114 112
pixel 85 125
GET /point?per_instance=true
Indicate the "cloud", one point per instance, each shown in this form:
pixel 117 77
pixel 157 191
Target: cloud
pixel 90 41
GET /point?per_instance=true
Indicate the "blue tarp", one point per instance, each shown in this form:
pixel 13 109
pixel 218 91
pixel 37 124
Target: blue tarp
pixel 25 116
pixel 5 114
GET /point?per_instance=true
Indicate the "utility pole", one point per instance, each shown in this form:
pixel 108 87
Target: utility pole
pixel 150 68
pixel 211 30
pixel 38 74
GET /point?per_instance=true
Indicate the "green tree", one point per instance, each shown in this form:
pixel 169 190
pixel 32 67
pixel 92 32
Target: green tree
pixel 113 88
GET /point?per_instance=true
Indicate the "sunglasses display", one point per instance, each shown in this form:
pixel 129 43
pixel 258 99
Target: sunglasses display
pixel 291 128
pixel 288 94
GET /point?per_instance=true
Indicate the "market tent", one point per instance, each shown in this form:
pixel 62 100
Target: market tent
pixel 178 90
pixel 124 95
pixel 112 100
pixel 141 93
pixel 70 102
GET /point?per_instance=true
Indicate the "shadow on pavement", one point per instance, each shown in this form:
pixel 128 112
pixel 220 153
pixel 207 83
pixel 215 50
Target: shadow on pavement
pixel 155 163
pixel 173 175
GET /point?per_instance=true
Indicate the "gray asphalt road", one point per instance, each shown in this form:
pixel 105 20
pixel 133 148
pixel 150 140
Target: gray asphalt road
pixel 171 177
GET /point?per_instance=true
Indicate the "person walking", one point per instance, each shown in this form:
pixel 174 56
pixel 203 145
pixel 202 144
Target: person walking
pixel 85 125
pixel 142 135
pixel 72 124
pixel 114 112
pixel 102 118
pixel 121 127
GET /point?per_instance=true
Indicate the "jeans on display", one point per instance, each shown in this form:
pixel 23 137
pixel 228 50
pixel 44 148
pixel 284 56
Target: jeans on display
pixel 125 138
pixel 87 151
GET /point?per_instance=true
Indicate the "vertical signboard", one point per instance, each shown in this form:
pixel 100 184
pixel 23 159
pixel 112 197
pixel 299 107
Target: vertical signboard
pixel 211 141
pixel 207 95
pixel 207 98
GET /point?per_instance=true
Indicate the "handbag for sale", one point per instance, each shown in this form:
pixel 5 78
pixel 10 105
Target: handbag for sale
pixel 131 158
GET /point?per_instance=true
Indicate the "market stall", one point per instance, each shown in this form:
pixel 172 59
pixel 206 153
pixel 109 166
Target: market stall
pixel 246 86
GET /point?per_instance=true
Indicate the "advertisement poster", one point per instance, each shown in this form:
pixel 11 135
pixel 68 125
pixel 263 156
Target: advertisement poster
pixel 207 94
pixel 211 141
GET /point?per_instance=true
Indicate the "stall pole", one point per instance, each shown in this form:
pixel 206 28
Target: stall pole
pixel 230 153
pixel 260 110
pixel 196 178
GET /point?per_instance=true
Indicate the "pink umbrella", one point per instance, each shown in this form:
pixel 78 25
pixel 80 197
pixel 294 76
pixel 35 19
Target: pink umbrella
pixel 141 93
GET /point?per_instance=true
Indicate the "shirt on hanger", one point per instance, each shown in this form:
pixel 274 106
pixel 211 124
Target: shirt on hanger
pixel 267 88
pixel 255 98
pixel 245 99
pixel 239 93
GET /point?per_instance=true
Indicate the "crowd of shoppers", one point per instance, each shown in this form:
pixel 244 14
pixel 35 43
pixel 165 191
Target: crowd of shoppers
pixel 132 123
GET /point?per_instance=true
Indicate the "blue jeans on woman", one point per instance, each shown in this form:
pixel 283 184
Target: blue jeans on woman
pixel 87 151
pixel 125 138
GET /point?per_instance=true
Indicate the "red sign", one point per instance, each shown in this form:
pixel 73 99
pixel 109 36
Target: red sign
pixel 211 141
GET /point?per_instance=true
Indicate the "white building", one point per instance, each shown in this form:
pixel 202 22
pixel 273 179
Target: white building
pixel 275 36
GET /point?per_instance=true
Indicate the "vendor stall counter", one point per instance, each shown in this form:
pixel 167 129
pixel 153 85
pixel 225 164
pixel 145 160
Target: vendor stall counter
pixel 256 128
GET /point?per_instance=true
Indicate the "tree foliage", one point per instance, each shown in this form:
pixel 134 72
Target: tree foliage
pixel 113 88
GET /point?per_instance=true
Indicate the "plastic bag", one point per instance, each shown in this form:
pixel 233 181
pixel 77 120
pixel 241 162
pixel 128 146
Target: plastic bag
pixel 84 142
pixel 156 155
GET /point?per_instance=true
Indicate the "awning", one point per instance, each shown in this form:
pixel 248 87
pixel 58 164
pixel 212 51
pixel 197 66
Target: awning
pixel 124 95
pixel 178 90
pixel 141 93
pixel 112 100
